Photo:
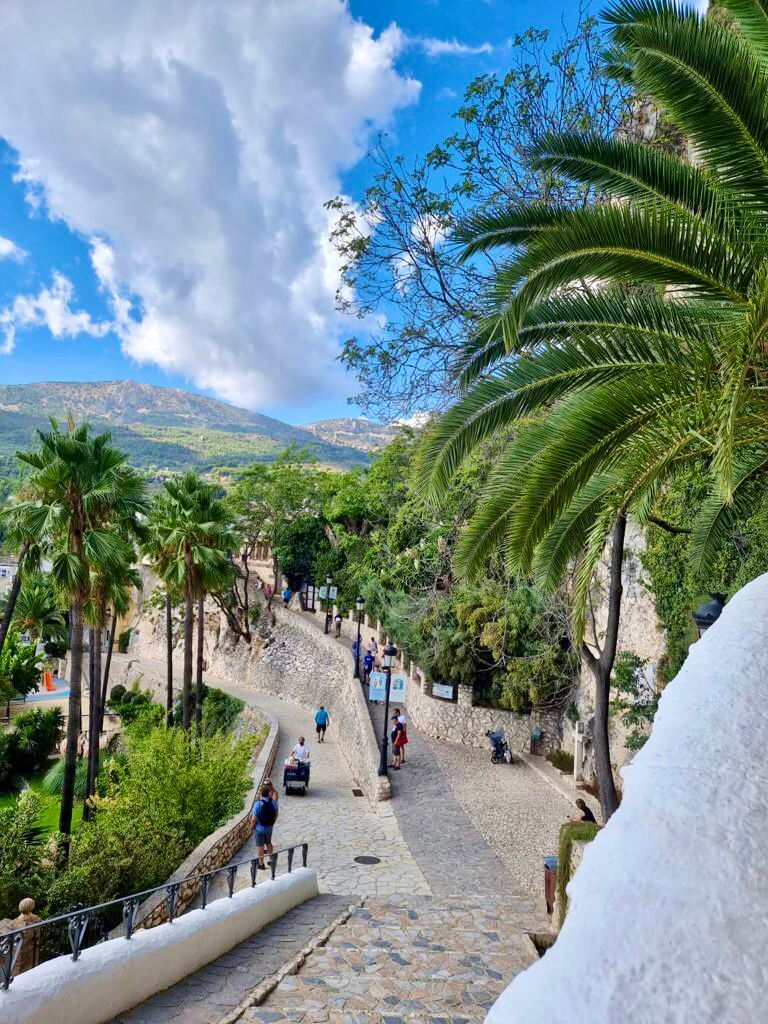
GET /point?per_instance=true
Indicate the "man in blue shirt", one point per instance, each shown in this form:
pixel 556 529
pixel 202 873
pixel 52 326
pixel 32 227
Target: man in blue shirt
pixel 264 813
pixel 322 719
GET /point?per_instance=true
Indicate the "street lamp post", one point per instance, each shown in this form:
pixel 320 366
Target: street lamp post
pixel 708 614
pixel 360 605
pixel 328 582
pixel 387 663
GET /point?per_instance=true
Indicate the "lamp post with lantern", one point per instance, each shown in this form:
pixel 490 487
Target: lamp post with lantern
pixel 387 663
pixel 359 605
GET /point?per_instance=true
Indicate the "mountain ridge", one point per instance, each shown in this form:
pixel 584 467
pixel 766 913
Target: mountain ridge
pixel 161 428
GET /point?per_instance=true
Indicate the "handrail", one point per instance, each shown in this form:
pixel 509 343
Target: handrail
pixel 77 920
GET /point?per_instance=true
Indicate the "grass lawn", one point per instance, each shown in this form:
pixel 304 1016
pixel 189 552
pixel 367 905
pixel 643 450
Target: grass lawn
pixel 49 817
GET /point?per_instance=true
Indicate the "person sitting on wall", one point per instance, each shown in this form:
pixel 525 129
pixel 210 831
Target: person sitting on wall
pixel 585 813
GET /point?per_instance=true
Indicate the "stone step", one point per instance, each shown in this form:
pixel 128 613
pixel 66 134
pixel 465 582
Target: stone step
pixel 402 960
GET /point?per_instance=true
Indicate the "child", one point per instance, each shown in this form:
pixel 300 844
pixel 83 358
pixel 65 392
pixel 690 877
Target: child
pixel 367 667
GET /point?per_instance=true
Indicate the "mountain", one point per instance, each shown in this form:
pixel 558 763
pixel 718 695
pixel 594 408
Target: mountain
pixel 160 428
pixel 353 432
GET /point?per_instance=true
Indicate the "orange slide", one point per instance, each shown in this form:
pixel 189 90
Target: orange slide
pixel 48 681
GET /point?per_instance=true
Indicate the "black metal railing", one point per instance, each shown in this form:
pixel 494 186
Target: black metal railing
pixel 77 921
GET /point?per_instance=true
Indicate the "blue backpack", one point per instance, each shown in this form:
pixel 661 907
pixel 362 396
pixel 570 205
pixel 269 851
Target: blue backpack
pixel 265 813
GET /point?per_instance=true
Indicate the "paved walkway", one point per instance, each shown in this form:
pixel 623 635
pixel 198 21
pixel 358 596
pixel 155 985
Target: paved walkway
pixel 213 992
pixel 416 960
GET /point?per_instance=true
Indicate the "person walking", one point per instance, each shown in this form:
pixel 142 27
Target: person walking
pixel 264 814
pixel 401 719
pixel 287 595
pixel 367 667
pixel 322 718
pixel 397 743
pixel 337 623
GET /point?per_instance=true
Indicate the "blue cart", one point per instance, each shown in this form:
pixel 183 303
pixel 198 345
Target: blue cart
pixel 296 776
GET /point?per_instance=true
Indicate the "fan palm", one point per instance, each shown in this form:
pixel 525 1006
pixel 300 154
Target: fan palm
pixel 36 610
pixel 79 487
pixel 191 541
pixel 629 337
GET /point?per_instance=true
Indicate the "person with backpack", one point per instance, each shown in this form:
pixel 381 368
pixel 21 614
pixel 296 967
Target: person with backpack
pixel 264 813
pixel 322 719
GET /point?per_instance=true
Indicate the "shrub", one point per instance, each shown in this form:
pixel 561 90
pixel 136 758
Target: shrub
pixel 20 848
pixel 562 760
pixel 570 832
pixel 8 772
pixel 54 779
pixel 220 711
pixel 36 734
pixel 117 693
pixel 123 640
pixel 19 667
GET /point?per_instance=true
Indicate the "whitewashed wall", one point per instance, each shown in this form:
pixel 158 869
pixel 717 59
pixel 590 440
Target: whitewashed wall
pixel 668 913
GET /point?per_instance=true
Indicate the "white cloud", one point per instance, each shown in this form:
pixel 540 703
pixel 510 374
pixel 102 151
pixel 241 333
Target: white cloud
pixel 194 144
pixel 10 251
pixel 51 308
pixel 451 48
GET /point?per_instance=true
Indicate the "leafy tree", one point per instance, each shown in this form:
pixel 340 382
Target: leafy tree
pixel 398 261
pixel 20 842
pixel 79 487
pixel 19 668
pixel 632 328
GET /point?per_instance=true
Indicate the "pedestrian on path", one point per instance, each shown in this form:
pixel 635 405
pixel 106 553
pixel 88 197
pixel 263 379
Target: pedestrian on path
pixel 401 719
pixel 264 813
pixel 337 622
pixel 287 595
pixel 301 751
pixel 397 743
pixel 322 718
pixel 367 667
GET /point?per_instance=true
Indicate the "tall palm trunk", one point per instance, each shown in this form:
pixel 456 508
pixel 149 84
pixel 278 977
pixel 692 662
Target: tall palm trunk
pixel 73 719
pixel 186 682
pixel 96 716
pixel 91 716
pixel 169 660
pixel 105 680
pixel 199 679
pixel 13 597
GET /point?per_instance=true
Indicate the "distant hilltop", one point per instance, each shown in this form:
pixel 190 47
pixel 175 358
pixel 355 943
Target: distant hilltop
pixel 162 428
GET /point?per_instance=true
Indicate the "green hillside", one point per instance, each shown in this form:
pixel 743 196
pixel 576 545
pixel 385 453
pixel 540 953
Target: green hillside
pixel 161 429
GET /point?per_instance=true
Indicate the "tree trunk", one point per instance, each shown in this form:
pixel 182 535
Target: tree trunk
pixel 276 574
pixel 186 683
pixel 95 731
pixel 91 715
pixel 199 680
pixel 602 669
pixel 73 719
pixel 169 660
pixel 13 596
pixel 105 680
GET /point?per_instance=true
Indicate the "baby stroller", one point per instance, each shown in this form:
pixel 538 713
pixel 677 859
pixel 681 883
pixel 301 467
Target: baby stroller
pixel 500 752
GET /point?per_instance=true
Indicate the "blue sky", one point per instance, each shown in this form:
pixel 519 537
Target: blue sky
pixel 144 216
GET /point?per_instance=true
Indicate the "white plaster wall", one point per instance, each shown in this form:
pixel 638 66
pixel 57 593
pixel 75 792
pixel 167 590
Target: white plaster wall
pixel 668 913
pixel 114 976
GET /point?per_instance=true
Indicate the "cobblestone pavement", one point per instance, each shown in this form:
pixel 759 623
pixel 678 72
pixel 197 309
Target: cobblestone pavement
pixel 517 811
pixel 420 959
pixel 212 993
pixel 438 831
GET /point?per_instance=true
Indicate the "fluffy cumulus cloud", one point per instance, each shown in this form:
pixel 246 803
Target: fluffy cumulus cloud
pixel 195 143
pixel 50 308
pixel 10 251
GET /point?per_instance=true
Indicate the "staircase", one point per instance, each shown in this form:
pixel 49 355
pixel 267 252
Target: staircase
pixel 406 959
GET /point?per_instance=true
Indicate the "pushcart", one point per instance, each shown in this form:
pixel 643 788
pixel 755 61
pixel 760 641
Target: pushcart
pixel 295 776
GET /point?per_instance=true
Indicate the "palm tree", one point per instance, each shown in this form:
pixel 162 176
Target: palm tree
pixel 36 610
pixel 192 534
pixel 627 339
pixel 79 484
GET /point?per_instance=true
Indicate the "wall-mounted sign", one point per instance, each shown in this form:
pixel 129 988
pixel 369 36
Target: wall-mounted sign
pixel 444 691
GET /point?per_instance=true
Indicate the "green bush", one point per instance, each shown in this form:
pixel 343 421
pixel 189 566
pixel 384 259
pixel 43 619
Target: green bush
pixel 562 760
pixel 123 640
pixel 117 693
pixel 20 849
pixel 220 711
pixel 19 668
pixel 54 779
pixel 28 745
pixel 8 774
pixel 570 832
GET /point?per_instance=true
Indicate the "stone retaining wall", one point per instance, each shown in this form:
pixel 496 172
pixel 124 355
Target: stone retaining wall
pixel 461 721
pixel 218 848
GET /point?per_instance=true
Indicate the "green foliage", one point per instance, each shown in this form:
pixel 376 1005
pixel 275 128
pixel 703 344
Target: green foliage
pixel 117 693
pixel 20 848
pixel 570 832
pixel 25 747
pixel 133 705
pixel 19 668
pixel 561 759
pixel 54 779
pixel 123 641
pixel 636 700
pixel 220 711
